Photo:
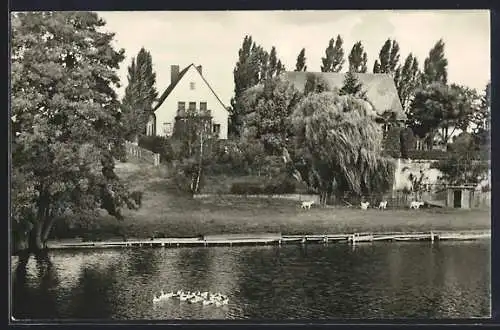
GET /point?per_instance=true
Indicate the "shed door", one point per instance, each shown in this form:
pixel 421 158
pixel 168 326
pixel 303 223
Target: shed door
pixel 457 198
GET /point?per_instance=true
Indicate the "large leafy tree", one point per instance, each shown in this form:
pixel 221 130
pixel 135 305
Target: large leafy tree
pixel 334 56
pixel 463 165
pixel 269 107
pixel 388 58
pixel 439 110
pixel 65 121
pixel 140 94
pixel 339 146
pixel 301 61
pixel 254 65
pixel 195 143
pixel 435 65
pixel 358 58
pixel 482 117
pixel 407 79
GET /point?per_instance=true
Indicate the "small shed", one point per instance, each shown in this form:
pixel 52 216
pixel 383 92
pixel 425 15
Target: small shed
pixel 460 196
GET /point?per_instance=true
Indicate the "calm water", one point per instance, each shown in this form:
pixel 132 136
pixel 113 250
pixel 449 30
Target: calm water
pixel 380 280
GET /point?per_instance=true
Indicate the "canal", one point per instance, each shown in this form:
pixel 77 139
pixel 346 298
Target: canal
pixel 373 280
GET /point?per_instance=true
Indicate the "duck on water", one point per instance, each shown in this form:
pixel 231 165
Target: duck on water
pixel 206 298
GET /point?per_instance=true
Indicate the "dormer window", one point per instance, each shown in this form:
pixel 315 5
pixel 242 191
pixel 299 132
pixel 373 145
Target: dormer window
pixel 192 86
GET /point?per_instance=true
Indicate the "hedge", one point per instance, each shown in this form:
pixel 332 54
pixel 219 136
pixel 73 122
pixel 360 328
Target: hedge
pixel 251 188
pixel 159 145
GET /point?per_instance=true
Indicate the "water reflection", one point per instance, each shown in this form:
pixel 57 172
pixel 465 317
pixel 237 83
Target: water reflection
pixel 383 280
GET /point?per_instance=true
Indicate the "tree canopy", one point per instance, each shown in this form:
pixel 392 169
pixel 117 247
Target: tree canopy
pixel 388 58
pixel 301 61
pixel 340 146
pixel 140 94
pixel 358 58
pixel 254 65
pixel 441 109
pixel 407 80
pixel 352 86
pixel 334 56
pixel 66 124
pixel 267 115
pixel 435 65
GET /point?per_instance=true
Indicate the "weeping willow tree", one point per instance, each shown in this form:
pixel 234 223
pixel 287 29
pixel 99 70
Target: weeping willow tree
pixel 339 146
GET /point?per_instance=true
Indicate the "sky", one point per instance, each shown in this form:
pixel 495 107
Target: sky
pixel 212 39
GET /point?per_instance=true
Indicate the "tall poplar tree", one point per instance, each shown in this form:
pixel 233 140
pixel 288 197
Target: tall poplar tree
pixel 435 65
pixel 334 56
pixel 140 93
pixel 388 58
pixel 301 61
pixel 358 58
pixel 407 79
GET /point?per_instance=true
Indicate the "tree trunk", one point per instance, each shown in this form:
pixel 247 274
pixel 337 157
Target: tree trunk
pixel 201 162
pixel 49 223
pixel 35 243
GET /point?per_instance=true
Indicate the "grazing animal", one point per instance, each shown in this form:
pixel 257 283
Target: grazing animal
pixel 365 205
pixel 307 205
pixel 416 205
pixel 382 205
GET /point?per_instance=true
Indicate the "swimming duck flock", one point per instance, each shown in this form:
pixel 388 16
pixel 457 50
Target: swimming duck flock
pixel 206 298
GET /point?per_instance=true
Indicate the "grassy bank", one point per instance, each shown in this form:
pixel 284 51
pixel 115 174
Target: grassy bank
pixel 166 212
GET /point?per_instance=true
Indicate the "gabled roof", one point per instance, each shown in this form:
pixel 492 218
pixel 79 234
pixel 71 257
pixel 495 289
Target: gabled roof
pixel 379 87
pixel 170 88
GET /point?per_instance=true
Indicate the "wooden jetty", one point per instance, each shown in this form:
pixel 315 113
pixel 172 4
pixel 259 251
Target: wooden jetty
pixel 275 239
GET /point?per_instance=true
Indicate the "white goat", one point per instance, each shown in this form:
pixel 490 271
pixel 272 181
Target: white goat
pixel 307 205
pixel 382 205
pixel 365 205
pixel 416 205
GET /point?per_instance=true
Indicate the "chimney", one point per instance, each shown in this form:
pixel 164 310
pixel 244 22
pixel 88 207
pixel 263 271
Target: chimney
pixel 174 73
pixel 200 68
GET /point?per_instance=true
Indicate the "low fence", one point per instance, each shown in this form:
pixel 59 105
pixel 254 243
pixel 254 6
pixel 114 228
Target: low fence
pixel 293 197
pixel 399 200
pixel 141 154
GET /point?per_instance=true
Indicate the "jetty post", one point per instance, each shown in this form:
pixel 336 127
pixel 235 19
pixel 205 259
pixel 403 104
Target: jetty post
pixel 432 236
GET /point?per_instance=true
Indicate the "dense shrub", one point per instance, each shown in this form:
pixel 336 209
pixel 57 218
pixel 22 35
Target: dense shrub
pixel 246 188
pixel 278 186
pixel 286 186
pixel 392 141
pixel 159 145
pixel 407 142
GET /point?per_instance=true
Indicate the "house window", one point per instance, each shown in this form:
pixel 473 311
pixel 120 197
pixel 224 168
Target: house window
pixel 167 129
pixel 192 85
pixel 181 106
pixel 216 129
pixel 203 106
pixel 192 106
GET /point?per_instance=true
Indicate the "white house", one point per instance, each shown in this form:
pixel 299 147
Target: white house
pixel 188 89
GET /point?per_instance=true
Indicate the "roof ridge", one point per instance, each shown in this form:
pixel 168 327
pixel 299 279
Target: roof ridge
pixel 171 87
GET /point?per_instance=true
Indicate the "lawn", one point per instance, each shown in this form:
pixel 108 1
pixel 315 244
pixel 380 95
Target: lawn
pixel 166 212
